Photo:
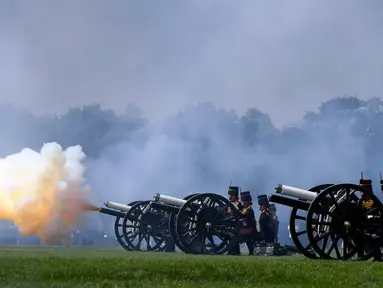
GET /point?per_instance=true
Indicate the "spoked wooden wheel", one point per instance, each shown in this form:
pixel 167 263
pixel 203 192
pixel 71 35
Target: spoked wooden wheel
pixel 336 228
pixel 172 227
pixel 145 228
pixel 203 226
pixel 118 231
pixel 298 230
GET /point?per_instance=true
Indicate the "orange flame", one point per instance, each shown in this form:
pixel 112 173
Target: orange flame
pixel 90 207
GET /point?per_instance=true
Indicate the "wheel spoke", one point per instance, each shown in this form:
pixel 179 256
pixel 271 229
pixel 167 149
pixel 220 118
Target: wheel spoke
pixel 189 230
pixel 335 240
pixel 319 238
pixel 334 244
pixel 325 223
pixel 203 248
pixel 301 232
pixel 140 239
pixel 347 194
pixel 345 248
pixel 324 244
pixel 148 242
pixel 334 200
pixel 369 212
pixel 195 236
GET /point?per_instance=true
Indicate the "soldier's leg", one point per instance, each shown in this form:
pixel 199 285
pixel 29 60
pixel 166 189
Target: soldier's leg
pixel 360 246
pixel 249 240
pixel 250 246
pixel 377 251
pixel 235 250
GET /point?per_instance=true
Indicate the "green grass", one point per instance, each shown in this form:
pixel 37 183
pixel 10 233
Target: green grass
pixel 84 267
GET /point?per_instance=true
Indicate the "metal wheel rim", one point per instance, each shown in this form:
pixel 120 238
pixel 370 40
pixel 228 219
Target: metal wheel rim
pixel 295 234
pixel 172 227
pixel 120 235
pixel 217 225
pixel 335 239
pixel 159 239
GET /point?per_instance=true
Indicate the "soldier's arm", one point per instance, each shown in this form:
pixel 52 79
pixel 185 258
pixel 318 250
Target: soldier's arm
pixel 249 213
pixel 263 222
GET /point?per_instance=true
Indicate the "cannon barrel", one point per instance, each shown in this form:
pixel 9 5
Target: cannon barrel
pixel 169 200
pixel 112 212
pixel 296 192
pixel 117 206
pixel 294 203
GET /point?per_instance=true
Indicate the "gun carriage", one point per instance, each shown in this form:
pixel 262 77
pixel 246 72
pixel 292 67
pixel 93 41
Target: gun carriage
pixel 199 223
pixel 333 223
pixel 130 235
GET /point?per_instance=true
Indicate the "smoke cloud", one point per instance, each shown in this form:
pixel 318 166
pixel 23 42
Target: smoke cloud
pixel 42 192
pixel 203 148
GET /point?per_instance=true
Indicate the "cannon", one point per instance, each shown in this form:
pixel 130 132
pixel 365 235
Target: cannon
pixel 127 218
pixel 333 224
pixel 198 224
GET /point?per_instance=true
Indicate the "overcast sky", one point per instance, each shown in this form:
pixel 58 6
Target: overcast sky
pixel 284 57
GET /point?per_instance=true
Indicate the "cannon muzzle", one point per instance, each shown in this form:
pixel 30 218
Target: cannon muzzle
pixel 117 206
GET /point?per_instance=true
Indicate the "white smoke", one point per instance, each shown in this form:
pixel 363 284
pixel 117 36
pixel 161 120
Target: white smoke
pixel 43 193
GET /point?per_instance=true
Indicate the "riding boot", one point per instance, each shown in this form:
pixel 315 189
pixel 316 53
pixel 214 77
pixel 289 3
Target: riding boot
pixel 250 247
pixel 377 253
pixel 236 250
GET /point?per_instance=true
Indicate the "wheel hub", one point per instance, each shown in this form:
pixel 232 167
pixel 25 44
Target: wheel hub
pixel 347 225
pixel 149 224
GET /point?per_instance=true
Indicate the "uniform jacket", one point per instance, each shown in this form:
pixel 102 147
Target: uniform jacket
pixel 236 203
pixel 266 226
pixel 248 218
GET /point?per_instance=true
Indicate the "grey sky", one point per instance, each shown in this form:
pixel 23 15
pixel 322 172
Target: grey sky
pixel 283 57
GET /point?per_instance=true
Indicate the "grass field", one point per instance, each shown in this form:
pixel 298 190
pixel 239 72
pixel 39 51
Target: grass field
pixel 85 267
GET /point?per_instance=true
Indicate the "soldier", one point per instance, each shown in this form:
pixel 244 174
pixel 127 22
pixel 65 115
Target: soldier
pixel 273 212
pixel 364 204
pixel 265 220
pixel 233 195
pixel 248 221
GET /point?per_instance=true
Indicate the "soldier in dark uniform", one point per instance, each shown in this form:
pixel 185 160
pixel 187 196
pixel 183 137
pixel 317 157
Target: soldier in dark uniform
pixel 248 222
pixel 364 204
pixel 273 212
pixel 265 221
pixel 233 195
